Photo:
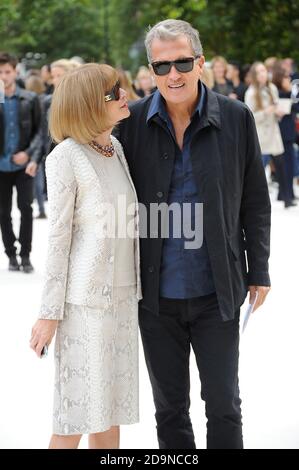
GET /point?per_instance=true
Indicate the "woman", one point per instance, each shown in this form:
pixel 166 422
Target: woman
pixel 221 84
pixel 126 84
pixel 262 99
pixel 60 67
pixel 92 283
pixel 144 84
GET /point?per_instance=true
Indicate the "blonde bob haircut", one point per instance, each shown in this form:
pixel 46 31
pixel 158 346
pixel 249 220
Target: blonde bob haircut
pixel 78 107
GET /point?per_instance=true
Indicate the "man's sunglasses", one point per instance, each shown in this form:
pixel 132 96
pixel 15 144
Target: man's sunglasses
pixel 182 65
pixel 113 94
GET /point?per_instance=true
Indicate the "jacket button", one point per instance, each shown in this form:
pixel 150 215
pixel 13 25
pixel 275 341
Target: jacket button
pixel 151 269
pixel 160 194
pixel 165 156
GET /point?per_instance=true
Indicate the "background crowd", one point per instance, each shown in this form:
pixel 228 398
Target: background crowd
pixel 269 88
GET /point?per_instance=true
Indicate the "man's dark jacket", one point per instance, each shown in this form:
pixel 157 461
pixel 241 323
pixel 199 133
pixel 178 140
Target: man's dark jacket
pixel 228 170
pixel 29 125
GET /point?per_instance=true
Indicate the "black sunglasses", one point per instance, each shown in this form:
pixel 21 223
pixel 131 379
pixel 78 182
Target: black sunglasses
pixel 182 65
pixel 113 94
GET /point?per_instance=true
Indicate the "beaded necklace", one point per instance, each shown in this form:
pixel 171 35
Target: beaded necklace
pixel 105 150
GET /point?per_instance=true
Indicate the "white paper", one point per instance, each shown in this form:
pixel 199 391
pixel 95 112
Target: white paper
pixel 285 105
pixel 249 312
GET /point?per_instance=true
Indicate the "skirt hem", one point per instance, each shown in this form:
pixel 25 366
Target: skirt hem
pixel 103 429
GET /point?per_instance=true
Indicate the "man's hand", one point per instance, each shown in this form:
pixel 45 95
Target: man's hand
pixel 42 334
pixel 262 294
pixel 20 158
pixel 31 169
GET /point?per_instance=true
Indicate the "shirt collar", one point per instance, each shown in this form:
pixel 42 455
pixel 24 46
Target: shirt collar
pixel 157 105
pixel 16 93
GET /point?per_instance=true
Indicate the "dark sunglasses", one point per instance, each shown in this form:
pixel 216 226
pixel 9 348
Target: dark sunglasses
pixel 182 65
pixel 113 94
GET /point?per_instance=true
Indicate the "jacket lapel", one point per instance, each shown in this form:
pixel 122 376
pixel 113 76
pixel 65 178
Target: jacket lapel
pixel 122 159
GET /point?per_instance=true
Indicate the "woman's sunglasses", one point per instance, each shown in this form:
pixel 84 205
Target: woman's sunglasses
pixel 182 65
pixel 113 94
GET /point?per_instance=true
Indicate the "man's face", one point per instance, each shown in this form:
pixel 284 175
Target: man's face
pixel 8 75
pixel 176 87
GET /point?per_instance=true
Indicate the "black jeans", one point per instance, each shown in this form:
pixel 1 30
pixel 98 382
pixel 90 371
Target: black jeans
pixel 24 186
pixel 166 341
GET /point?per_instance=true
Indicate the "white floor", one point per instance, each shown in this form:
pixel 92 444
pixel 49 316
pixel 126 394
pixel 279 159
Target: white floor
pixel 269 362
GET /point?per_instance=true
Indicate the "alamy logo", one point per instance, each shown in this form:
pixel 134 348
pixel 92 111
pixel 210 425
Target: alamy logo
pixel 162 220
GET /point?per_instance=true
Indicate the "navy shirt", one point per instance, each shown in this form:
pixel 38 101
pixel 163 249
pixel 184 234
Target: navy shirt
pixel 185 273
pixel 11 133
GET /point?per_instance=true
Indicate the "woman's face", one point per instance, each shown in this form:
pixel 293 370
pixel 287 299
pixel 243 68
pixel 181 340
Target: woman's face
pixel 57 73
pixel 286 84
pixel 219 69
pixel 145 82
pixel 118 110
pixel 261 74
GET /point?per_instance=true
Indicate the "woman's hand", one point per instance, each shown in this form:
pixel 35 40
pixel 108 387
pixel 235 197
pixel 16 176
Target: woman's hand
pixel 42 334
pixel 270 109
pixel 279 113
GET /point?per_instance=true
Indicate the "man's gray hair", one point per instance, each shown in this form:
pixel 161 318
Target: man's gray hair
pixel 169 30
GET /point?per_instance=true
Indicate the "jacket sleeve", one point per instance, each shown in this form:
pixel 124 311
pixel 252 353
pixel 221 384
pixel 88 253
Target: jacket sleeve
pixel 35 147
pixel 61 185
pixel 256 210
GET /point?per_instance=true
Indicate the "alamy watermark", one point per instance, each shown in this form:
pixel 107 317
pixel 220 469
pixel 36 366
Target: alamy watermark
pixel 161 220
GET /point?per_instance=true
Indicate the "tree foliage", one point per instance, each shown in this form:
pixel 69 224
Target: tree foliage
pixel 113 30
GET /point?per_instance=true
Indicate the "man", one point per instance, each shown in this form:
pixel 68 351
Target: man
pixel 186 144
pixel 20 152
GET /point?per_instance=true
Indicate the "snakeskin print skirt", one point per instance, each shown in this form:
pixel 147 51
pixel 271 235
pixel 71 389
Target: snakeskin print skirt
pixel 96 366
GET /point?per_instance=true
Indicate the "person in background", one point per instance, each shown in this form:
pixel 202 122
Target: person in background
pixel 60 67
pixel 287 125
pixel 221 84
pixel 21 73
pixel 269 63
pixel 35 84
pixel 31 72
pixel 20 154
pixel 144 84
pixel 233 74
pixel 207 77
pixel 289 66
pixel 47 79
pixel 262 98
pixel 245 75
pixel 126 84
pixel 77 60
